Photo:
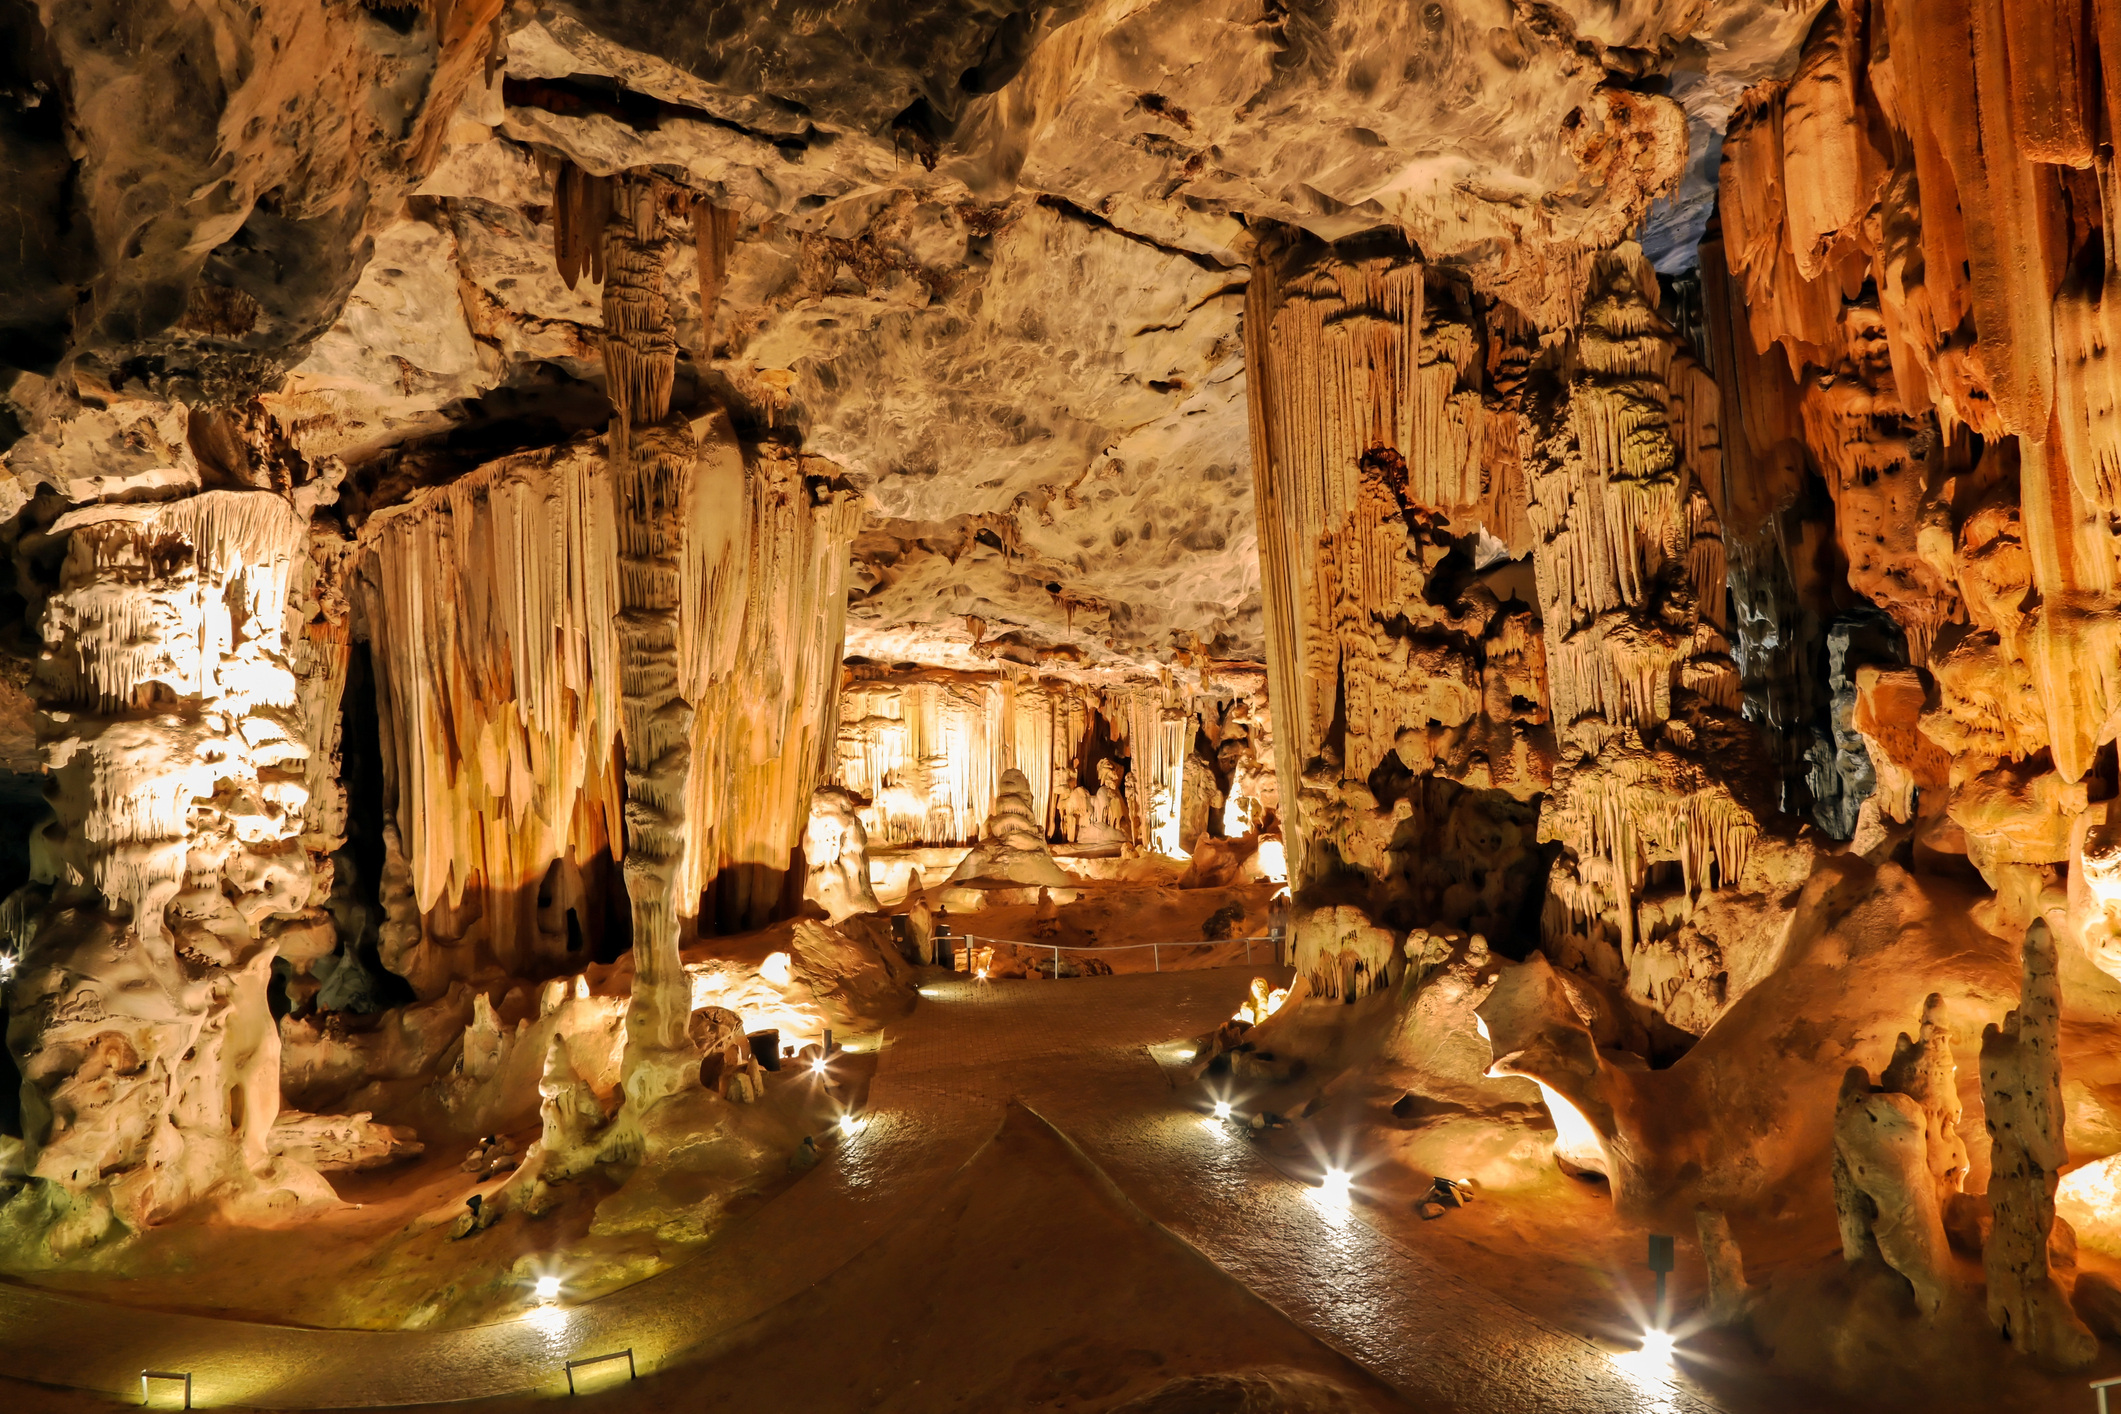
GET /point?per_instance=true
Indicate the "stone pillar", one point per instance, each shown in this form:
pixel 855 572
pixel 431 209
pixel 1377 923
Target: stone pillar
pixel 1369 429
pixel 2021 1085
pixel 652 457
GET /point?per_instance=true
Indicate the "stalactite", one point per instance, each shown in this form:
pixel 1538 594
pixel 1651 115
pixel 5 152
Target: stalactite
pixel 714 230
pixel 492 603
pixel 581 209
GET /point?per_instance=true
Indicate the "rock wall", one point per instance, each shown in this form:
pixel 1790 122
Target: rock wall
pixel 1919 262
pixel 1107 762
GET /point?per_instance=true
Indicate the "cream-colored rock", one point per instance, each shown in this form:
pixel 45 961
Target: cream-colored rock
pixel 836 855
pixel 1014 847
pixel 150 1062
pixel 1884 1191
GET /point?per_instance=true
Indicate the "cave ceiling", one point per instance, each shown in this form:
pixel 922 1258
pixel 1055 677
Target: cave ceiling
pixel 990 257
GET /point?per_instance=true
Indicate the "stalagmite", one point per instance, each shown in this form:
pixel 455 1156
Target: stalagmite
pixel 1728 1293
pixel 1013 848
pixel 1884 1191
pixel 2021 1087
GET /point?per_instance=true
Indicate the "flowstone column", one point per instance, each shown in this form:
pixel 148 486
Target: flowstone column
pixel 652 456
pixel 172 731
pixel 1368 428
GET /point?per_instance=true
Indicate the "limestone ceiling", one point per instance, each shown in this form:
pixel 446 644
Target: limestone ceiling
pixel 991 261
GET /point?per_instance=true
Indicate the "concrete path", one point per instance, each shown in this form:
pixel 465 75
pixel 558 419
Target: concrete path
pixel 1075 1051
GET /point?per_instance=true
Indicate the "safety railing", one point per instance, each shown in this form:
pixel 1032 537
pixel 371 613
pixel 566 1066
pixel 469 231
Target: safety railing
pixel 1156 960
pixel 588 1362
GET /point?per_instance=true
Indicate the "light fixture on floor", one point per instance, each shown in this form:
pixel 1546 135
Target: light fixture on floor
pixel 546 1289
pixel 1222 1109
pixel 849 1125
pixel 1336 1185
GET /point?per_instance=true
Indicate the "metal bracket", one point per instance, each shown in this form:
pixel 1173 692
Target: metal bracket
pixel 588 1360
pixel 170 1375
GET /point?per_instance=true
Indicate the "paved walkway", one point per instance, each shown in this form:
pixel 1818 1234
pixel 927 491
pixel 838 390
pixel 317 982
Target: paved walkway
pixel 1073 1050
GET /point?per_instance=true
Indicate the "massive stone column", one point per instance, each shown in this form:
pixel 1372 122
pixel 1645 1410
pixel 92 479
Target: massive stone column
pixel 1389 668
pixel 173 733
pixel 1934 255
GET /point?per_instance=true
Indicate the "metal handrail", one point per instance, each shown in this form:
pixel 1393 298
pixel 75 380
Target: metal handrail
pixel 171 1376
pixel 1156 960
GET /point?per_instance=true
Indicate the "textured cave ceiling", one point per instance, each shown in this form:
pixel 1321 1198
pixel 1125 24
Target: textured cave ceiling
pixel 991 257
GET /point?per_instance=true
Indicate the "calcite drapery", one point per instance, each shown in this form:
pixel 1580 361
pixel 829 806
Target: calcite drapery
pixel 172 729
pixel 490 603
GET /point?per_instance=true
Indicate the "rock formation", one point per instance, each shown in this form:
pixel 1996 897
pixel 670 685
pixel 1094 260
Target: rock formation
pixel 149 1060
pixel 836 856
pixel 2021 1086
pixel 1013 848
pixel 1884 1190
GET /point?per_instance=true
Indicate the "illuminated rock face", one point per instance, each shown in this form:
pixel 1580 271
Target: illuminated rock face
pixel 174 738
pixel 1914 292
pixel 506 491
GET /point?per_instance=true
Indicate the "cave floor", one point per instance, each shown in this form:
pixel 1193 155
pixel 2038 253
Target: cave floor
pixel 1098 1059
